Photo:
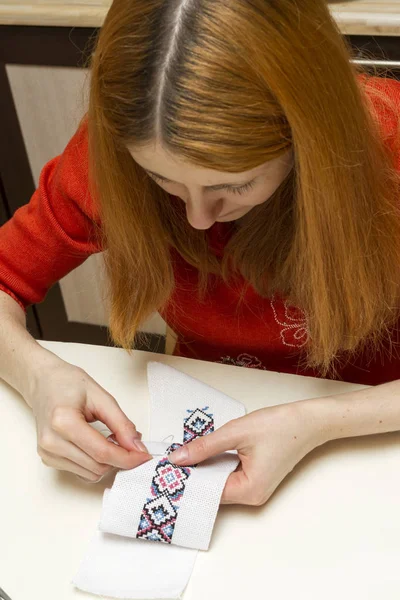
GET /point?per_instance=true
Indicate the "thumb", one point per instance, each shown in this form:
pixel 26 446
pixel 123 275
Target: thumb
pixel 108 411
pixel 205 447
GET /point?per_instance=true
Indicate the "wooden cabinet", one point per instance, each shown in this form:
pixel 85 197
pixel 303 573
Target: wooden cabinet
pixel 43 91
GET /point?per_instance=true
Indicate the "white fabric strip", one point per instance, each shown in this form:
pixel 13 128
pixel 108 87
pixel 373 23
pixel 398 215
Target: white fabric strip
pixel 123 504
pixel 120 567
pixel 123 566
pixel 173 392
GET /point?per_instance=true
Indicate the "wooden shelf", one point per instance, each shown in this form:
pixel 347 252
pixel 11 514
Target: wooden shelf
pixel 356 17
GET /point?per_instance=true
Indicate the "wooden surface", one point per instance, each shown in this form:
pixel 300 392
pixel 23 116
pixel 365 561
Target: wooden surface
pixel 363 17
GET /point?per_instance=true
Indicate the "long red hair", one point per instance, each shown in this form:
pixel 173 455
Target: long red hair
pixel 228 86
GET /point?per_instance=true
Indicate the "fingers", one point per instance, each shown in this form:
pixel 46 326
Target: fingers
pixel 72 426
pixel 236 489
pixel 225 438
pixel 248 487
pixel 61 448
pixel 109 412
pixel 55 451
pixel 112 438
pixel 63 464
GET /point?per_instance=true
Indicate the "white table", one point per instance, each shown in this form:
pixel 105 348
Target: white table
pixel 332 529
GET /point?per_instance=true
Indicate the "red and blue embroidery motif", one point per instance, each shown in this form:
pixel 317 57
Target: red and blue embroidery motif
pixel 159 514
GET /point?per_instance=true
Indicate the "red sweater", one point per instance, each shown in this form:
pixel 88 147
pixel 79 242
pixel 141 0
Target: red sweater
pixel 50 236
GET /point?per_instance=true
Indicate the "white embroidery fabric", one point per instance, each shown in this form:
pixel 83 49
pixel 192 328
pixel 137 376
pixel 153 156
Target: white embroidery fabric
pixel 123 504
pixel 123 566
pixel 120 567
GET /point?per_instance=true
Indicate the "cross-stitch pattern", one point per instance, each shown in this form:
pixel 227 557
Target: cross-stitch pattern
pixel 199 423
pixel 159 514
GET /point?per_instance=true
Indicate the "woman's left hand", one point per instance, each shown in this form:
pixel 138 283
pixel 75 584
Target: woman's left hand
pixel 270 442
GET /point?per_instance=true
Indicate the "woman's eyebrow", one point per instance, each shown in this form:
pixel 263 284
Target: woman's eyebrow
pixel 209 187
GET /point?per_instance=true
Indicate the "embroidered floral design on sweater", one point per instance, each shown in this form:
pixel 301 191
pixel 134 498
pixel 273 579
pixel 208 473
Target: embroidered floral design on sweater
pixel 243 360
pixel 294 330
pixel 159 514
pixel 293 333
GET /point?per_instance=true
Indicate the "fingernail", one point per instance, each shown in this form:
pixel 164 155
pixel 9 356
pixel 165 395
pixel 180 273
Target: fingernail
pixel 89 480
pixel 178 455
pixel 140 446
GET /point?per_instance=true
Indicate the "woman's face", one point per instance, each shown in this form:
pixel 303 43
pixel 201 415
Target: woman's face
pixel 213 196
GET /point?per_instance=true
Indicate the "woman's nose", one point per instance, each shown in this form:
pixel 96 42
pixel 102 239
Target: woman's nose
pixel 202 214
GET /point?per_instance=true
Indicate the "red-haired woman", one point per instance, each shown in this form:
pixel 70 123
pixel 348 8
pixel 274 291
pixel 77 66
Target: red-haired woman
pixel 243 177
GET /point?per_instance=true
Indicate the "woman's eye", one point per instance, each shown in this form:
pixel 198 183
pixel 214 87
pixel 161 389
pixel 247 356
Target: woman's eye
pixel 235 190
pixel 158 179
pixel 242 189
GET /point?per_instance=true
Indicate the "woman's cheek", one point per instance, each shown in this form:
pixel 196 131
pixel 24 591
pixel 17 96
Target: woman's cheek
pixel 264 194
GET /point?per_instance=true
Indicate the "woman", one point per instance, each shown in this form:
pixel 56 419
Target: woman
pixel 244 180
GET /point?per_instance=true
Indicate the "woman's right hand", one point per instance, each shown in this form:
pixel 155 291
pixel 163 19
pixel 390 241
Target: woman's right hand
pixel 64 400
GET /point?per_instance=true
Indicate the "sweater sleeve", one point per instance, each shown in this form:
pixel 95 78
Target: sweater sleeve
pixel 386 106
pixel 55 232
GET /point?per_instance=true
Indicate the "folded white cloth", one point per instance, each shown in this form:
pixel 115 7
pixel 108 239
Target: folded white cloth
pixel 120 567
pixel 158 506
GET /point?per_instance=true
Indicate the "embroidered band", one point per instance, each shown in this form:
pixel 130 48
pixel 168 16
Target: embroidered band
pixel 159 514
